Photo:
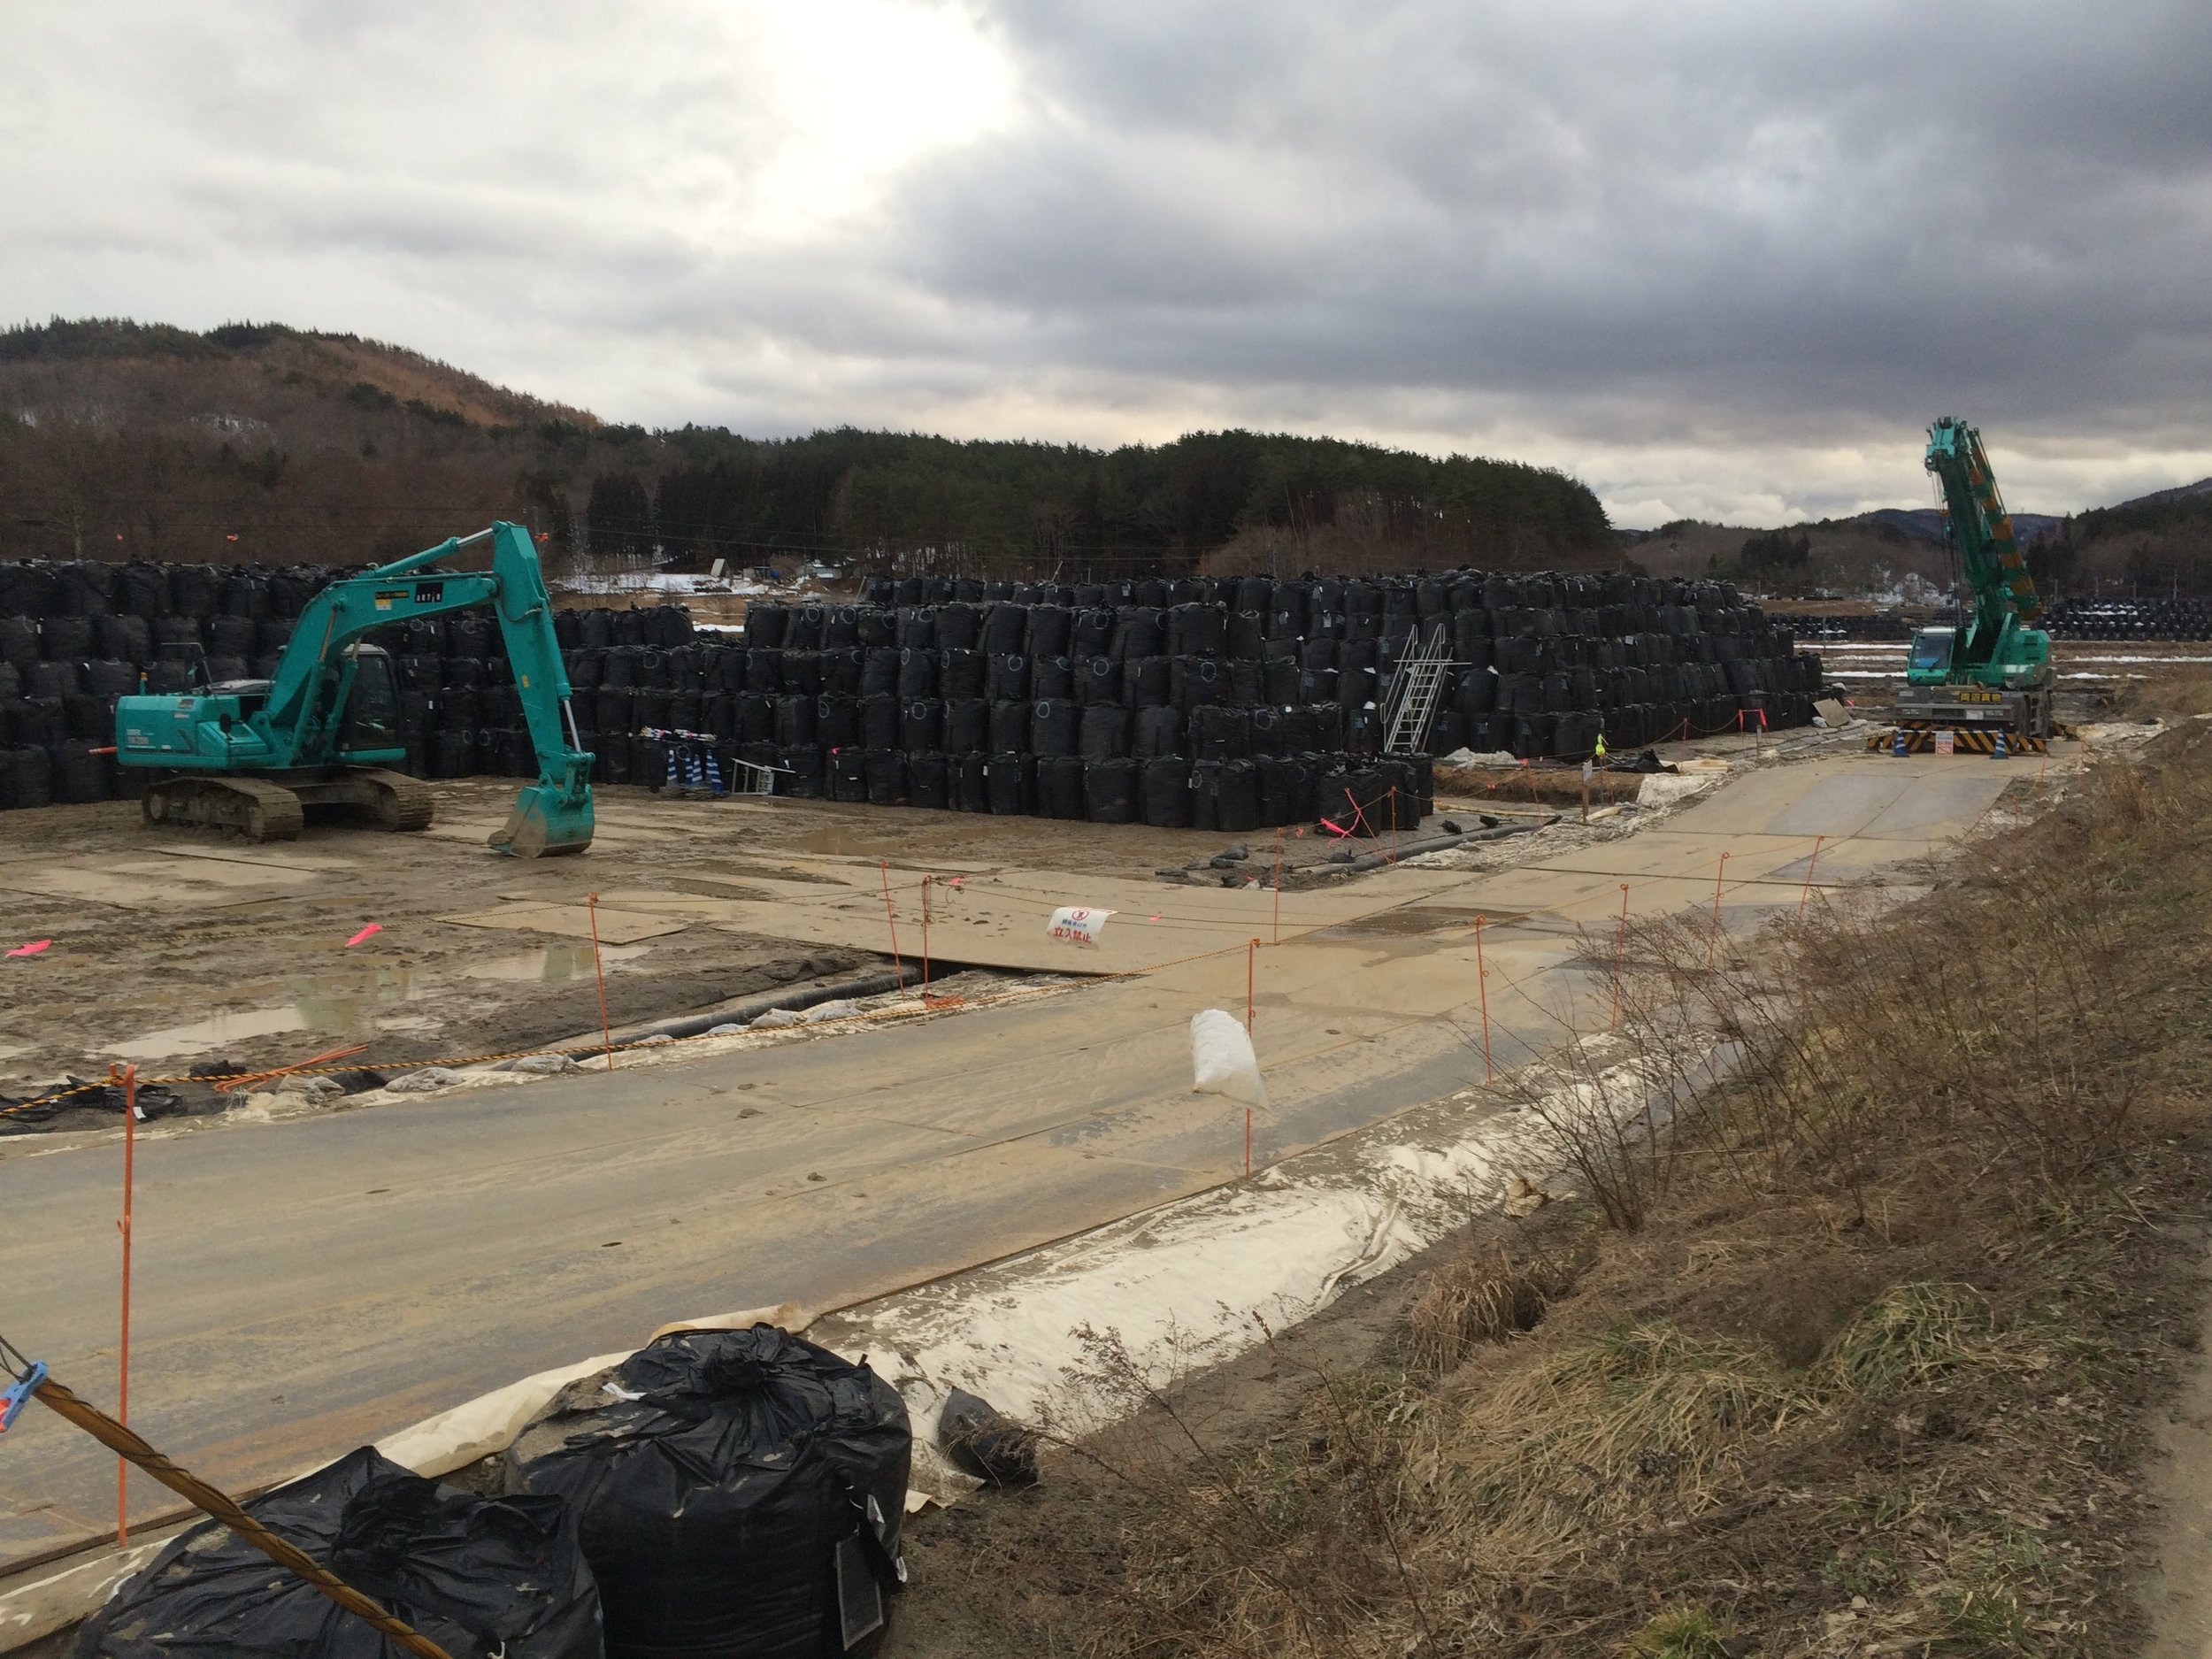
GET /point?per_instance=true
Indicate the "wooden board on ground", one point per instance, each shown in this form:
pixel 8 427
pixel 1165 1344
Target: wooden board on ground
pixel 1001 919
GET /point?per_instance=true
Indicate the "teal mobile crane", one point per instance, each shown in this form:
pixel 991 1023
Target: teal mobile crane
pixel 250 755
pixel 1995 673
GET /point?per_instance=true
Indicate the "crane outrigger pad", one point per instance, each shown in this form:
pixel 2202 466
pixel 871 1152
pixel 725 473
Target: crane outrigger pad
pixel 1920 740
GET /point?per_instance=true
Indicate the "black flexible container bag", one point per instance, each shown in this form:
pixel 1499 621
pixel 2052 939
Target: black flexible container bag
pixel 1051 677
pixel 726 1507
pixel 886 772
pixel 1109 791
pixel 1009 784
pixel 1158 732
pixel 928 780
pixel 970 783
pixel 1103 733
pixel 478 1576
pixel 1166 793
pixel 1060 786
pixel 848 775
pixel 1006 679
pixel 1055 727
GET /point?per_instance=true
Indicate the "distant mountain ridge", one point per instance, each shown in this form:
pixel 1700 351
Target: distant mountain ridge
pixel 1926 523
pixel 261 441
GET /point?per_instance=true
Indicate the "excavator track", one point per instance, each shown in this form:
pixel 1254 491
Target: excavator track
pixel 390 800
pixel 259 810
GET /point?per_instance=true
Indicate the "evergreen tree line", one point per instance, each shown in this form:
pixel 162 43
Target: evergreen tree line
pixel 257 441
pixel 898 503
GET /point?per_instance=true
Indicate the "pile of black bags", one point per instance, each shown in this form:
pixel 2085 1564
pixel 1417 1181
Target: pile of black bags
pixel 720 1494
pixel 1219 704
pixel 478 1576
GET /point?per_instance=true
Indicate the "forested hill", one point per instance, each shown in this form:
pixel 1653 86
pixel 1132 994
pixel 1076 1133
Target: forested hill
pixel 263 443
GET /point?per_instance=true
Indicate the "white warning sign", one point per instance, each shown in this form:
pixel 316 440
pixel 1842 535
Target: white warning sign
pixel 1077 923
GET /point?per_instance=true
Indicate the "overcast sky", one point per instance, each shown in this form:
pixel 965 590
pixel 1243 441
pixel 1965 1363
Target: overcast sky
pixel 1720 258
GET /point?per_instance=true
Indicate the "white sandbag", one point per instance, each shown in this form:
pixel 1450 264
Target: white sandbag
pixel 429 1079
pixel 1222 1058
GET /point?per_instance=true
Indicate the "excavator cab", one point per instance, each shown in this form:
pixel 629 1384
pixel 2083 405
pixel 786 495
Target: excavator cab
pixel 372 722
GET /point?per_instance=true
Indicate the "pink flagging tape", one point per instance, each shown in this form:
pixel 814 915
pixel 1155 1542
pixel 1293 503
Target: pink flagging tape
pixel 371 929
pixel 31 949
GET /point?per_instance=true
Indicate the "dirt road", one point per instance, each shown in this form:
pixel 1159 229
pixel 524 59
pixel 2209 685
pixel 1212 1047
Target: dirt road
pixel 307 1285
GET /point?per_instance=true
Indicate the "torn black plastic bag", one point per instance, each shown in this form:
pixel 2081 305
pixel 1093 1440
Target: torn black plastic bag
pixel 741 1498
pixel 478 1576
pixel 987 1445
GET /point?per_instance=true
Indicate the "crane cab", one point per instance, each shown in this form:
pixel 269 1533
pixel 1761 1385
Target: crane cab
pixel 1928 660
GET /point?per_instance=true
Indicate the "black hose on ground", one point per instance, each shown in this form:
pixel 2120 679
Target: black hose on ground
pixel 745 1013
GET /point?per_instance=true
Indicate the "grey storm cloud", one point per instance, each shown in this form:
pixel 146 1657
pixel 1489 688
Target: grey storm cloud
pixel 1716 258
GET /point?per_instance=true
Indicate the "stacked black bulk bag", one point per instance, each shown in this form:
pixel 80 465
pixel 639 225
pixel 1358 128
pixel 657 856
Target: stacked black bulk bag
pixel 848 774
pixel 1060 786
pixel 928 780
pixel 1009 784
pixel 1156 732
pixel 970 783
pixel 885 770
pixel 1109 791
pixel 1165 789
pixel 1054 728
pixel 1103 732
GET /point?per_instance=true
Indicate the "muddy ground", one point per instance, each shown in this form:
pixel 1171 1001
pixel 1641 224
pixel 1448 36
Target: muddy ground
pixel 175 949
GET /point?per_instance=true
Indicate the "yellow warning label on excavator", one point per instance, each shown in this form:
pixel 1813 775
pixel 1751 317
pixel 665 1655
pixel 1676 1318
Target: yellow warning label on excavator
pixel 1981 696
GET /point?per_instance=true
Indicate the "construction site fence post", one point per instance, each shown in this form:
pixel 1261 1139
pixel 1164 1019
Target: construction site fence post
pixel 599 971
pixel 1482 993
pixel 1278 884
pixel 925 940
pixel 1620 958
pixel 1712 940
pixel 898 968
pixel 123 1349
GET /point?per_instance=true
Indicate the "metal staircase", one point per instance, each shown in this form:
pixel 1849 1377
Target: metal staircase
pixel 1415 689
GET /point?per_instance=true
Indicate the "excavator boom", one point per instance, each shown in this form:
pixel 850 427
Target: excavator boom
pixel 324 727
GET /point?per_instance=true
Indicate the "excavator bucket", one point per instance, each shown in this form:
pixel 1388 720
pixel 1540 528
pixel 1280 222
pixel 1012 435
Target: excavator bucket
pixel 543 825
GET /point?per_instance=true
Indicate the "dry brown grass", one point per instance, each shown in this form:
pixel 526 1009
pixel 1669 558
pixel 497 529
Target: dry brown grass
pixel 1850 1355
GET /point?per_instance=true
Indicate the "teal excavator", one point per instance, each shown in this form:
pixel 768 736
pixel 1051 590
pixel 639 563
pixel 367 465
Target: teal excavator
pixel 1992 674
pixel 252 754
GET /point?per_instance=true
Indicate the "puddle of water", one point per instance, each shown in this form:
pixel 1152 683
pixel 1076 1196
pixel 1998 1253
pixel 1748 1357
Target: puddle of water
pixel 338 1005
pixel 352 1005
pixel 843 843
pixel 553 964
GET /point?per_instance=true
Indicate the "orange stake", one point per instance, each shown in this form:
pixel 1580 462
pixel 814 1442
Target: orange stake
pixel 1251 951
pixel 123 1390
pixel 1712 942
pixel 1620 954
pixel 1247 1141
pixel 898 969
pixel 599 967
pixel 1809 862
pixel 925 942
pixel 1482 990
pixel 1278 884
